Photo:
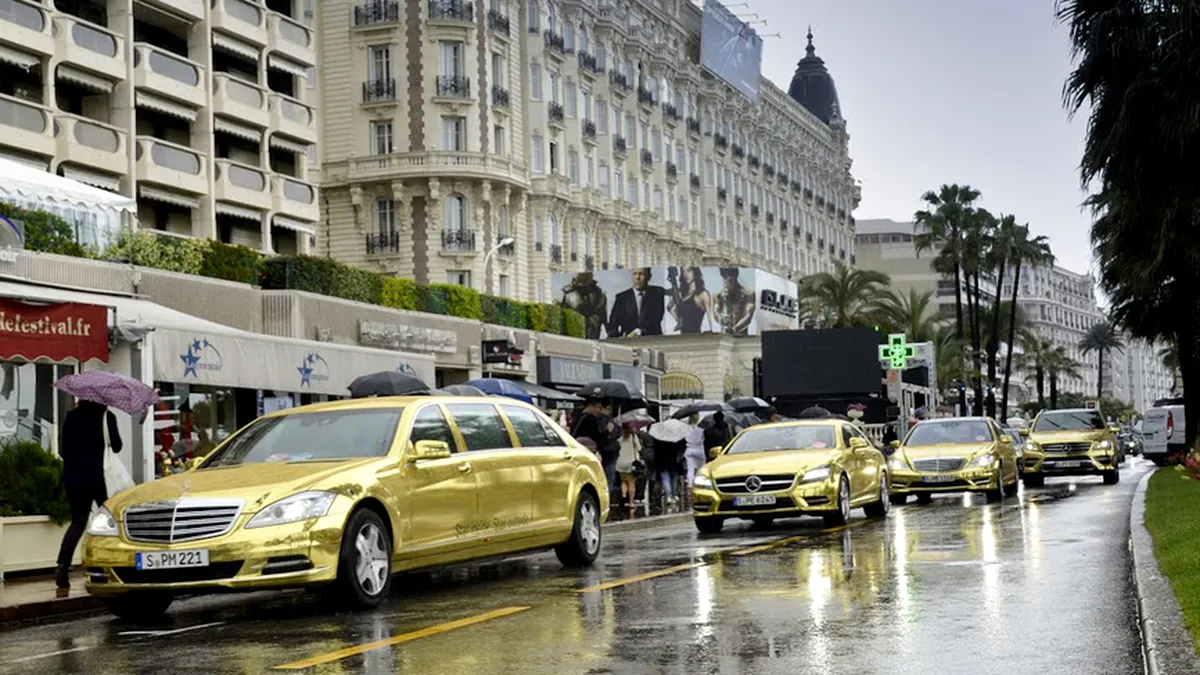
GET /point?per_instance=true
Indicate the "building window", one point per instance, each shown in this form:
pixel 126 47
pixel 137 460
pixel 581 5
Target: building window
pixel 601 56
pixel 454 133
pixel 534 16
pixel 504 286
pixel 590 171
pixel 538 235
pixel 633 191
pixel 541 290
pixel 569 36
pixel 569 99
pixel 381 138
pixel 459 277
pixel 551 18
pixel 385 216
pixel 535 81
pixel 620 183
pixel 450 58
pixel 502 222
pixel 601 116
pixel 498 140
pixel 573 167
pixel 538 154
pixel 554 167
pixel 455 218
pixel 498 78
pixel 553 86
pixel 380 66
pixel 604 182
pixel 586 113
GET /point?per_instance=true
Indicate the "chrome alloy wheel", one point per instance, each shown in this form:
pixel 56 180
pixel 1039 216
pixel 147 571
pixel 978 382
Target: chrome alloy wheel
pixel 372 567
pixel 589 526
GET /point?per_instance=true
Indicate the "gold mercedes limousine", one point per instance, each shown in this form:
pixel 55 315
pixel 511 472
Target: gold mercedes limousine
pixel 344 495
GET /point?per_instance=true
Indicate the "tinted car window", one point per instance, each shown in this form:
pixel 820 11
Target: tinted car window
pixel 784 438
pixel 430 425
pixel 332 434
pixel 846 435
pixel 949 431
pixel 480 425
pixel 1069 420
pixel 530 431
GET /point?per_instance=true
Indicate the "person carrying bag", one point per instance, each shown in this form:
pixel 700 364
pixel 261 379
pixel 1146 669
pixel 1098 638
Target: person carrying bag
pixel 89 431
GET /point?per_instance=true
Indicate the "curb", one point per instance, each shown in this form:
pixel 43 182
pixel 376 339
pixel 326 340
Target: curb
pixel 647 523
pixel 1167 647
pixel 47 609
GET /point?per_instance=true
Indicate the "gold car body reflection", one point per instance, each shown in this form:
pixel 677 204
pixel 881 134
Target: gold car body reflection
pixel 987 464
pixel 780 476
pixel 1078 452
pixel 464 506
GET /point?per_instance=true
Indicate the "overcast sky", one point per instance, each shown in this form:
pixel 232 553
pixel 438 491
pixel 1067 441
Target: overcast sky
pixel 946 91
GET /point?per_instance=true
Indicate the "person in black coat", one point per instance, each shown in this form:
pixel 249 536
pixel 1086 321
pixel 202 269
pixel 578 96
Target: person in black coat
pixel 82 446
pixel 638 310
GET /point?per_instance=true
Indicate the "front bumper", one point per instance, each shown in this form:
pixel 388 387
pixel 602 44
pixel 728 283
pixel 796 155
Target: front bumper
pixel 802 499
pixel 279 556
pixel 977 479
pixel 1091 464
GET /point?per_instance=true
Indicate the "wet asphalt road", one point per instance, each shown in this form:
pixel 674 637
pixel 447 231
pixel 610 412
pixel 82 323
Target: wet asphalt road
pixel 1038 584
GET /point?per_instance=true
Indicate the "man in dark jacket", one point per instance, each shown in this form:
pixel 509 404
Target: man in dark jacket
pixel 596 424
pixel 718 435
pixel 82 446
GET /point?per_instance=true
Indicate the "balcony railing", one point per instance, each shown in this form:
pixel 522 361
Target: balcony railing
pixel 796 187
pixel 670 112
pixel 498 22
pixel 672 171
pixel 808 238
pixel 589 129
pixel 821 244
pixel 506 249
pixel 720 142
pixel 694 181
pixel 556 253
pixel 754 162
pixel 384 242
pixel 458 240
pixel 453 86
pixel 841 214
pixel 619 80
pixel 372 13
pixel 452 10
pixel 808 193
pixel 739 203
pixel 647 158
pixel 619 145
pixel 842 253
pixel 693 125
pixel 500 96
pixel 820 202
pixel 645 96
pixel 739 152
pixel 754 211
pixel 379 90
pixel 554 42
pixel 784 179
pixel 722 195
pixel 589 262
pixel 768 171
pixel 587 62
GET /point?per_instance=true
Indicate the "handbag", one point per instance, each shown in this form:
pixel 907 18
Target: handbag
pixel 116 476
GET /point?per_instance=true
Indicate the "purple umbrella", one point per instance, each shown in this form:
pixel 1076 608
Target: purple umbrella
pixel 111 389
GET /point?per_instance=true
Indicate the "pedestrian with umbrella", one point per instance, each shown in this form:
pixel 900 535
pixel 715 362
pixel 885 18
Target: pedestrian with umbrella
pixel 498 386
pixel 669 441
pixel 750 404
pixel 88 433
pixel 595 424
pixel 388 383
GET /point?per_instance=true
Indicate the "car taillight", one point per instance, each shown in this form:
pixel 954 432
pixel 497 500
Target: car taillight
pixel 1170 423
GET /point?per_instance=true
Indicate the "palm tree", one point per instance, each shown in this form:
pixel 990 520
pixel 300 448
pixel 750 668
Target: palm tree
pixel 940 228
pixel 846 297
pixel 914 314
pixel 1135 72
pixel 977 242
pixel 1059 365
pixel 1100 338
pixel 1170 360
pixel 1036 355
pixel 998 255
pixel 1022 250
pixel 948 351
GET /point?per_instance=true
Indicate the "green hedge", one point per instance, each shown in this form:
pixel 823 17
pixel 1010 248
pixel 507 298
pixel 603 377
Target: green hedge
pixel 45 231
pixel 505 312
pixel 31 482
pixel 574 323
pixel 404 294
pixel 322 276
pixel 231 263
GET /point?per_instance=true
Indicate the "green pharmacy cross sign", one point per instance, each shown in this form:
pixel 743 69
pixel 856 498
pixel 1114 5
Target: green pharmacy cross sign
pixel 897 351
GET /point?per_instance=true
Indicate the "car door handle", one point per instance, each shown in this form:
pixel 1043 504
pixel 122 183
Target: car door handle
pixel 567 454
pixel 465 467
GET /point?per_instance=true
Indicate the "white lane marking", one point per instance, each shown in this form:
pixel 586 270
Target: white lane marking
pixel 49 654
pixel 161 633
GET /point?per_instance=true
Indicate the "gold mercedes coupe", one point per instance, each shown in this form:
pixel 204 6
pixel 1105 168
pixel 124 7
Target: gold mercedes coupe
pixel 805 467
pixel 1071 443
pixel 957 454
pixel 344 495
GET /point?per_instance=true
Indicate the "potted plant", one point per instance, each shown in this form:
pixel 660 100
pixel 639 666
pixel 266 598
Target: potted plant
pixel 34 511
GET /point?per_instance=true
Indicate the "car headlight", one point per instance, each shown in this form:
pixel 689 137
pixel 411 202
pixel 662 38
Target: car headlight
pixel 898 464
pixel 1104 445
pixel 702 481
pixel 298 507
pixel 102 524
pixel 983 461
pixel 816 475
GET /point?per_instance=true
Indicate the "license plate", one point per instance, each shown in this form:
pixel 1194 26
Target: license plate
pixel 938 479
pixel 163 560
pixel 1067 465
pixel 755 500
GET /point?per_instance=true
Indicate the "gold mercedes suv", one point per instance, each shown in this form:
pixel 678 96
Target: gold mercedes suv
pixel 803 467
pixel 346 494
pixel 1073 442
pixel 955 454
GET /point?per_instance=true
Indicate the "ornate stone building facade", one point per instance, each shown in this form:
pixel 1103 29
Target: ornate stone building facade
pixel 494 145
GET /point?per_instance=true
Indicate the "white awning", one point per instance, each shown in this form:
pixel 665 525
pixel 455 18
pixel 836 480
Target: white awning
pixel 162 105
pixel 280 143
pixel 296 225
pixel 235 46
pixel 236 211
pixel 93 82
pixel 18 58
pixel 99 179
pixel 287 65
pixel 168 197
pixel 39 186
pixel 235 129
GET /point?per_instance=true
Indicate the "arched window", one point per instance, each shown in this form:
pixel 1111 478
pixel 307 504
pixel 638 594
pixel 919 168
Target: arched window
pixel 384 217
pixel 552 21
pixel 569 35
pixel 534 16
pixel 583 38
pixel 456 219
pixel 502 222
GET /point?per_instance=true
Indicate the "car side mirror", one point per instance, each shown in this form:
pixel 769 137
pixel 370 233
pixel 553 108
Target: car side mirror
pixel 424 450
pixel 1116 429
pixel 1025 432
pixel 1006 440
pixel 859 443
pixel 194 463
pixel 895 445
pixel 713 452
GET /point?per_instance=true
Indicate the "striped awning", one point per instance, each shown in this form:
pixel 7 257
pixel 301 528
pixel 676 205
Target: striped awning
pixel 96 178
pixel 235 211
pixel 287 65
pixel 280 143
pixel 147 100
pixel 168 197
pixel 295 225
pixel 85 79
pixel 237 129
pixel 677 384
pixel 18 58
pixel 235 46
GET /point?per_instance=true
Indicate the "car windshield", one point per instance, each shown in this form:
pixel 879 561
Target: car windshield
pixel 784 438
pixel 949 432
pixel 328 435
pixel 1069 420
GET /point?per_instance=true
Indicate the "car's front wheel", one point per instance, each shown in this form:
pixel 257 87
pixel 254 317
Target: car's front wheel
pixel 1011 490
pixel 1034 480
pixel 710 524
pixel 365 564
pixel 140 607
pixel 842 515
pixel 880 508
pixel 1112 477
pixel 584 544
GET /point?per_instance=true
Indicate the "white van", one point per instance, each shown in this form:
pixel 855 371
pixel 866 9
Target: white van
pixel 1163 430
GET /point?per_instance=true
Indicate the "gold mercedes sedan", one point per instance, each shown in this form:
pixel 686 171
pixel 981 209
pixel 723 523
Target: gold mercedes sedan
pixel 807 467
pixel 344 495
pixel 1071 443
pixel 956 454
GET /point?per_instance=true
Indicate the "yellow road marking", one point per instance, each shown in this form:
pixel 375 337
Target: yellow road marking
pixel 766 547
pixel 641 577
pixel 400 639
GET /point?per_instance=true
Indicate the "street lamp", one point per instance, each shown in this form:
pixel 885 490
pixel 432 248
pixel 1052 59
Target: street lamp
pixel 487 258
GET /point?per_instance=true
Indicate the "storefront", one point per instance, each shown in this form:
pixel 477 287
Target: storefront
pixel 567 375
pixel 630 375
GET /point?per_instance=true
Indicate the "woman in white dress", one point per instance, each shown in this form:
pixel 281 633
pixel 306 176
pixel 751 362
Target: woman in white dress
pixel 693 454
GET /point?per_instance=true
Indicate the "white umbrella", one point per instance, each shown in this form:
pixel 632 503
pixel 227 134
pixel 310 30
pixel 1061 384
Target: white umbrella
pixel 637 418
pixel 671 431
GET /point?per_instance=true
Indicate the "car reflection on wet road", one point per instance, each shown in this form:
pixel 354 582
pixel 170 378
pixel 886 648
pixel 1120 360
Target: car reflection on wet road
pixel 1035 584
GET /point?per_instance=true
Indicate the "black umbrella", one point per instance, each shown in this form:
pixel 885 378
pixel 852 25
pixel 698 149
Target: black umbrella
pixel 735 420
pixel 701 407
pixel 614 389
pixel 815 413
pixel 387 383
pixel 463 390
pixel 748 404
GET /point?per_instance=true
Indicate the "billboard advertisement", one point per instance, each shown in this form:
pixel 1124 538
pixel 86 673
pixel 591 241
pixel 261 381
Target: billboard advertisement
pixel 730 49
pixel 669 300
